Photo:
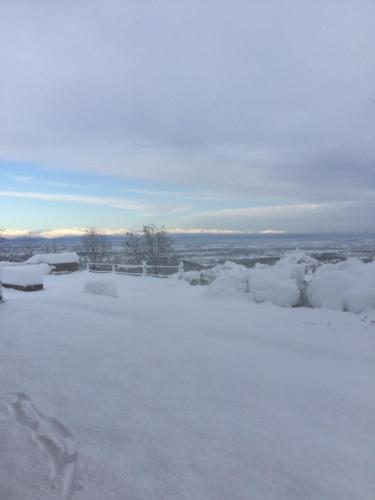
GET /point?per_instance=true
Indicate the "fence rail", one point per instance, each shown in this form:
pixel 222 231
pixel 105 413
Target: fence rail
pixel 130 269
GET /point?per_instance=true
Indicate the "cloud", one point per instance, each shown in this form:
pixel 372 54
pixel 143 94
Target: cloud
pixel 334 217
pixel 80 231
pixel 198 230
pixel 120 203
pixel 58 233
pixel 272 231
pixel 244 103
pixel 271 211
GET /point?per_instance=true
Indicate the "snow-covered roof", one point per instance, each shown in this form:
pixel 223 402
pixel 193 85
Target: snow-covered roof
pixel 54 258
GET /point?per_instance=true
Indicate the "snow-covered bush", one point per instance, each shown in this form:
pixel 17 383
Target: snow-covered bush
pixel 282 284
pixel 192 277
pixel 274 284
pixel 347 286
pixel 101 287
pixel 263 283
pixel 299 280
pixel 231 280
pixel 207 276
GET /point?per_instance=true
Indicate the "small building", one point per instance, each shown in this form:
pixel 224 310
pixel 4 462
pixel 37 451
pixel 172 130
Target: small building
pixel 24 278
pixel 61 262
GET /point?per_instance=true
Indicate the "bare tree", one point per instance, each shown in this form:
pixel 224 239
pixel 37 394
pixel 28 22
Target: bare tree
pixel 133 248
pixel 29 244
pixel 153 245
pixel 95 245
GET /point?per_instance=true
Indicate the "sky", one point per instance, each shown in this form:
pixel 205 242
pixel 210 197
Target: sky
pixel 242 116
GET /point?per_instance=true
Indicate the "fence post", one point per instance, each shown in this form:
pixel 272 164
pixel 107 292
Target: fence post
pixel 144 268
pixel 1 287
pixel 180 270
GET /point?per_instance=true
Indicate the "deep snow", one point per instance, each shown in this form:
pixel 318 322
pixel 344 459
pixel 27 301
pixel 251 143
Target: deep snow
pixel 167 393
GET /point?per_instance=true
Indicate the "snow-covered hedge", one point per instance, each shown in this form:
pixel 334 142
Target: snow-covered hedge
pixel 295 280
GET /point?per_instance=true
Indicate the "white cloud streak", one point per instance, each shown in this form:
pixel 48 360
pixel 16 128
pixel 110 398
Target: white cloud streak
pixel 276 211
pixel 120 203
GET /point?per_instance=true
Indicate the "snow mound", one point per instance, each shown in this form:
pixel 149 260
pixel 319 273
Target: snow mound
pixel 347 286
pixel 22 276
pixel 276 285
pixel 228 285
pixel 193 277
pixel 107 288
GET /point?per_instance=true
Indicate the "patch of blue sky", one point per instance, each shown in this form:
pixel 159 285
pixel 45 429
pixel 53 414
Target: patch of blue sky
pixel 35 197
pixel 29 177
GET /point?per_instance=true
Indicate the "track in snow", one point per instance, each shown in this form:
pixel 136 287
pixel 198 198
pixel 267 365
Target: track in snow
pixel 51 437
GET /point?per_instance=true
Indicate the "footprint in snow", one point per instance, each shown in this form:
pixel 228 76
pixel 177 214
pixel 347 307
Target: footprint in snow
pixel 51 437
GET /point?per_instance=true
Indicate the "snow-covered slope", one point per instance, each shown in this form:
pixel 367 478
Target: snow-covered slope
pixel 166 393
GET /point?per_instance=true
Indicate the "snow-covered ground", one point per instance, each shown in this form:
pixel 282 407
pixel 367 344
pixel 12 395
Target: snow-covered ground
pixel 167 392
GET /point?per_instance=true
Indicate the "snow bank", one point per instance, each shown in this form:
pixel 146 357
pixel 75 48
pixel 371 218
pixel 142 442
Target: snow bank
pixel 54 258
pixel 22 276
pixel 275 285
pixel 298 279
pixel 347 286
pixel 101 287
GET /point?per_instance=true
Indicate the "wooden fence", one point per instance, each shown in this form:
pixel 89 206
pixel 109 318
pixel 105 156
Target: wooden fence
pixel 143 269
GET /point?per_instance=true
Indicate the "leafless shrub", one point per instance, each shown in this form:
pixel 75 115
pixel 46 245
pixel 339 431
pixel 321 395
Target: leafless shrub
pixel 152 245
pixel 96 246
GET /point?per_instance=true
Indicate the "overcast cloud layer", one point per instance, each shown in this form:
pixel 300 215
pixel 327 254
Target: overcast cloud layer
pixel 268 102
